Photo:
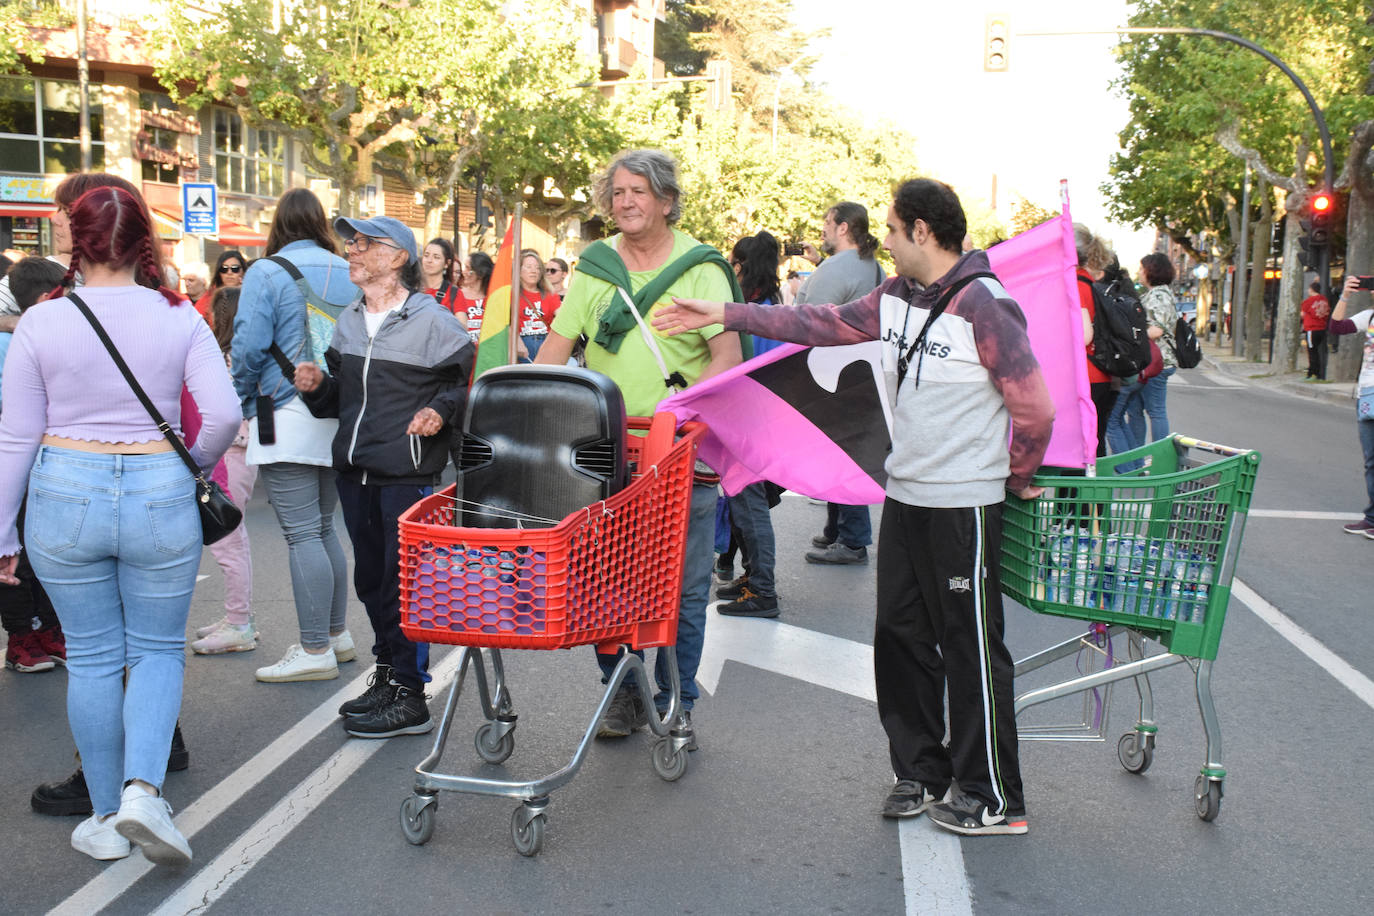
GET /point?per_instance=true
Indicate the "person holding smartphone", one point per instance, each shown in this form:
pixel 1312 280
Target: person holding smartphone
pixel 1362 323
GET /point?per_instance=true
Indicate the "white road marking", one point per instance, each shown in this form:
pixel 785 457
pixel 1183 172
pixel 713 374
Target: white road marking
pixel 933 876
pixel 1300 514
pixel 102 890
pixel 1305 642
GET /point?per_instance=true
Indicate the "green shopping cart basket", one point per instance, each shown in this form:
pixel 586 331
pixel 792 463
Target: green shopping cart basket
pixel 1146 547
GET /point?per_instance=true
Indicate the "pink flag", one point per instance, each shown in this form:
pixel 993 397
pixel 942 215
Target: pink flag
pixel 1038 268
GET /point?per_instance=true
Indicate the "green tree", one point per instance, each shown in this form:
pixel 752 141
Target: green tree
pixel 22 25
pixel 1026 214
pixel 1202 109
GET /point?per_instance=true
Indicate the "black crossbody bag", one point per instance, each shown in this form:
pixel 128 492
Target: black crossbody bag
pixel 218 514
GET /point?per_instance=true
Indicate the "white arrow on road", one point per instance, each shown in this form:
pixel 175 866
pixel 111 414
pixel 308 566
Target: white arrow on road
pixel 933 875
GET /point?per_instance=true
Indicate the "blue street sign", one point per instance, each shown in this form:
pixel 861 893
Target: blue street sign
pixel 199 208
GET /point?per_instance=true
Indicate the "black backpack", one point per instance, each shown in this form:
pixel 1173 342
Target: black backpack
pixel 1186 348
pixel 1121 342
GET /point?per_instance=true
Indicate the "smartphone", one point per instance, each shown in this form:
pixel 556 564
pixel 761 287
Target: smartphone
pixel 792 248
pixel 1365 283
pixel 267 427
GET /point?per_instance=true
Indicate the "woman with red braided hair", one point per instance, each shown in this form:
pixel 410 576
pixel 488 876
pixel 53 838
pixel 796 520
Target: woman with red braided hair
pixel 112 528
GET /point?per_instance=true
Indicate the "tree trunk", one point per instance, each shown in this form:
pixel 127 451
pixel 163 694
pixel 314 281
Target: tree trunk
pixel 1259 254
pixel 1287 314
pixel 1359 244
pixel 434 218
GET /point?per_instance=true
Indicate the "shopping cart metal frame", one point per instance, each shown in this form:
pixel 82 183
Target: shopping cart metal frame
pixel 559 612
pixel 1161 479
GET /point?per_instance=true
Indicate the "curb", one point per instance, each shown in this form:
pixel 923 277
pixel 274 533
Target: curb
pixel 1336 393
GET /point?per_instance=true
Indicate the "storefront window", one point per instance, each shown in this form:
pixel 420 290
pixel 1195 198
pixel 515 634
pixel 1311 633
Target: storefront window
pixel 40 123
pixel 250 160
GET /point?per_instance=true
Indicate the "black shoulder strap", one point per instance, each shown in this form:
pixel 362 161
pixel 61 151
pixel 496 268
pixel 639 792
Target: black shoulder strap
pixel 162 424
pixel 904 361
pixel 288 368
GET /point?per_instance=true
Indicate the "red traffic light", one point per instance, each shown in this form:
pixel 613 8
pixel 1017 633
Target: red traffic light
pixel 1321 203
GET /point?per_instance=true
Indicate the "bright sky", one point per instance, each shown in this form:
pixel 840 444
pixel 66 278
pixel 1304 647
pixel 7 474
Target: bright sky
pixel 1052 115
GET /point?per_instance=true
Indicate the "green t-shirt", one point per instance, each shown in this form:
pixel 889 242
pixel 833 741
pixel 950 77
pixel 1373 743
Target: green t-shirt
pixel 634 368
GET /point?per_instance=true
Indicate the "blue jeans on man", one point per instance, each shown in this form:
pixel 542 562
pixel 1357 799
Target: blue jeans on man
pixel 749 510
pixel 848 525
pixel 691 620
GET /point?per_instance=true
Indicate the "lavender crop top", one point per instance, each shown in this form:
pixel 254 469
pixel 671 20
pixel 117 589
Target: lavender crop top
pixel 61 381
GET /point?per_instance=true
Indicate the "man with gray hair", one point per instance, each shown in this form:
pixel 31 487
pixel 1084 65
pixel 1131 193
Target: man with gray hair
pixel 644 266
pixel 849 272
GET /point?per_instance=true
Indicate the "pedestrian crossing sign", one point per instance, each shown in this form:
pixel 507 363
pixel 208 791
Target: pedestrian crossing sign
pixel 199 208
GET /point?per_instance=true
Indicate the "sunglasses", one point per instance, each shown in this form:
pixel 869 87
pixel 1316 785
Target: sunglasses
pixel 231 268
pixel 552 270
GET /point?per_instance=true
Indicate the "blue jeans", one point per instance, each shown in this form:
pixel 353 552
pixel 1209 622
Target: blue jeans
pixel 304 498
pixel 1155 394
pixel 372 515
pixel 1126 424
pixel 749 509
pixel 691 617
pixel 115 540
pixel 532 343
pixel 1366 429
pixel 850 525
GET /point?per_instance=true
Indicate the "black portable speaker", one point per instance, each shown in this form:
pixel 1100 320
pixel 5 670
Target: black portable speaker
pixel 539 442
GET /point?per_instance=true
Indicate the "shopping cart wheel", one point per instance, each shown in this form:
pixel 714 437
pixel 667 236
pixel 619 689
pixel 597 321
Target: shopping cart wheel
pixel 1207 796
pixel 490 748
pixel 417 818
pixel 527 830
pixel 669 762
pixel 1135 751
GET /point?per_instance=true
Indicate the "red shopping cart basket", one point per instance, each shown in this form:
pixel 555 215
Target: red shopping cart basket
pixel 606 575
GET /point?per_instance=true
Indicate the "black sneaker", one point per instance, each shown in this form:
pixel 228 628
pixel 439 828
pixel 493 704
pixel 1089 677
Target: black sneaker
pixel 820 540
pixel 376 692
pixel 968 816
pixel 722 572
pixel 908 799
pixel 60 799
pixel 178 758
pixel 750 605
pixel 625 714
pixel 734 590
pixel 402 711
pixel 838 554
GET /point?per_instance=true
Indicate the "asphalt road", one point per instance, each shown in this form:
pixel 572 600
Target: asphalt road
pixel 777 812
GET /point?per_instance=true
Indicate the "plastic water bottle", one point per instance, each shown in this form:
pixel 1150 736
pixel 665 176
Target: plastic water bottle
pixel 1109 598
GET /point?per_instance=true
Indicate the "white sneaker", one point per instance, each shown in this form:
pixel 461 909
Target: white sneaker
pixel 342 645
pixel 202 632
pixel 99 841
pixel 147 820
pixel 300 665
pixel 228 638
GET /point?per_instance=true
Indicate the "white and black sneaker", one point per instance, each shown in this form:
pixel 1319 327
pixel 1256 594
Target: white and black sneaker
pixel 402 711
pixel 377 690
pixel 968 816
pixel 907 799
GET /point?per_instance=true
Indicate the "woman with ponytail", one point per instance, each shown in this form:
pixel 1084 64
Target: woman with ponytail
pixel 112 528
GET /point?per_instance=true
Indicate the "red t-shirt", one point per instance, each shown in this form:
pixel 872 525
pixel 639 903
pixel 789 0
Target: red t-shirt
pixel 536 312
pixel 448 299
pixel 1315 310
pixel 1085 299
pixel 469 311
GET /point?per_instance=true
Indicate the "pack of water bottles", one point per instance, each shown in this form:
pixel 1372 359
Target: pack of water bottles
pixel 1129 574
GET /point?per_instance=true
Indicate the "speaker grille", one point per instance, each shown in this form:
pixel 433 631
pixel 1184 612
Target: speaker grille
pixel 598 459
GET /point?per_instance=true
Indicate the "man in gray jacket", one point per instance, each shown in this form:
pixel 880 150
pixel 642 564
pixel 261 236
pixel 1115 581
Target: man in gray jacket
pixel 849 272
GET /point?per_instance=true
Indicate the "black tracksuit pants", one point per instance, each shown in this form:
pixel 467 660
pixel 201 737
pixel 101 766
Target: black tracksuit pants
pixel 940 621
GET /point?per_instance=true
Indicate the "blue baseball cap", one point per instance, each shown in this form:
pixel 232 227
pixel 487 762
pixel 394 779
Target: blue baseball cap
pixel 381 227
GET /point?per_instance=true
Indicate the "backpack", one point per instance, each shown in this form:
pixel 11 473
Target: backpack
pixel 320 319
pixel 1186 348
pixel 1121 342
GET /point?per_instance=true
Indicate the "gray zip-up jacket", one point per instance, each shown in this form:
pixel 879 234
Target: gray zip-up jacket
pixel 421 357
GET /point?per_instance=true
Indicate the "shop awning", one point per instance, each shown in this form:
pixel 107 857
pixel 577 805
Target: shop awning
pixel 38 210
pixel 230 232
pixel 167 227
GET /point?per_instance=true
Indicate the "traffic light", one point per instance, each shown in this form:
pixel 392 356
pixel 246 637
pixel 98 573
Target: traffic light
pixel 1320 207
pixel 996 36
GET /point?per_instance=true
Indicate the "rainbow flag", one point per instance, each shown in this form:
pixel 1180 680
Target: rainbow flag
pixel 493 343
